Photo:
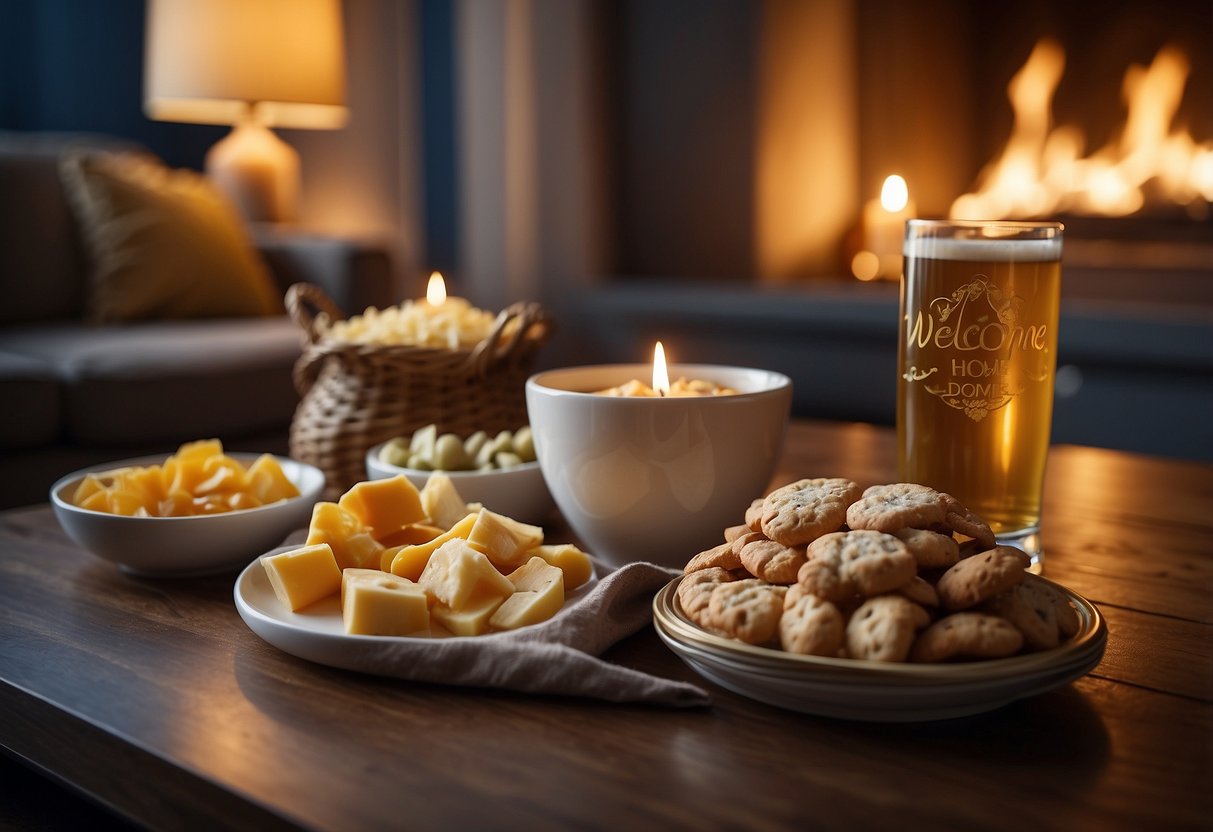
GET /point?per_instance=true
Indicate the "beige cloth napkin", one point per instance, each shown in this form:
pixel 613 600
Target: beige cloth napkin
pixel 558 656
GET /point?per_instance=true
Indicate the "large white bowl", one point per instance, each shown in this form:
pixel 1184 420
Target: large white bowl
pixel 186 546
pixel 518 492
pixel 656 479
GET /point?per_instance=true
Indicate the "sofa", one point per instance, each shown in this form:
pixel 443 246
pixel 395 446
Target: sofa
pixel 81 387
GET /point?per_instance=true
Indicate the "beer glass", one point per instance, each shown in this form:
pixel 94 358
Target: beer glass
pixel 977 355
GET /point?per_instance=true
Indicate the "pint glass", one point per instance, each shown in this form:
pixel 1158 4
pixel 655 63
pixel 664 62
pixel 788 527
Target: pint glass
pixel 977 355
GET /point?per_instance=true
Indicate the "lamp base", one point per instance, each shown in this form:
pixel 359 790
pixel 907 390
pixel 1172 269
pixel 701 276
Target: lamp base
pixel 257 171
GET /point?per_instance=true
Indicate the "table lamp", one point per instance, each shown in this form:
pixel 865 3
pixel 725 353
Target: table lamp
pixel 253 64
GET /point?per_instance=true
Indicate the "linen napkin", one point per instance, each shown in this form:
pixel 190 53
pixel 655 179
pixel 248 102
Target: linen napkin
pixel 557 656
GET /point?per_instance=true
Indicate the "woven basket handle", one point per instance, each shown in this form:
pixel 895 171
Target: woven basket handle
pixel 311 309
pixel 532 329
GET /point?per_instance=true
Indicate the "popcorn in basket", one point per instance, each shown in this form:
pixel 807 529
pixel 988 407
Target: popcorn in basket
pixel 387 372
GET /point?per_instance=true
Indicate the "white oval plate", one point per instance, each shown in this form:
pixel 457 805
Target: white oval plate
pixel 879 691
pixel 317 632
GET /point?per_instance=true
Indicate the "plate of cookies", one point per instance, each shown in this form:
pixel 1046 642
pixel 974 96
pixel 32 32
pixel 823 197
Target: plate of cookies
pixel 893 603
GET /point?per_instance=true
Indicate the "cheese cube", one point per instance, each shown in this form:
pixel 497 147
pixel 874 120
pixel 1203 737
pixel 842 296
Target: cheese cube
pixel 303 576
pixel 539 595
pixel 505 540
pixel 410 560
pixel 386 506
pixel 442 502
pixel 268 482
pixel 473 619
pixel 411 535
pixel 456 573
pixel 574 563
pixel 378 604
pixel 350 539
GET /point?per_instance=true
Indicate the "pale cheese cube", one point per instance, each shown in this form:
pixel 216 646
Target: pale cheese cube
pixel 574 563
pixel 442 502
pixel 303 576
pixel 539 594
pixel 456 572
pixel 505 540
pixel 383 605
pixel 473 619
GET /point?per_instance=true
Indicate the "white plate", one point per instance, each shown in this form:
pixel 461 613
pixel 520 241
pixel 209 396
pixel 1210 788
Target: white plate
pixel 879 691
pixel 317 633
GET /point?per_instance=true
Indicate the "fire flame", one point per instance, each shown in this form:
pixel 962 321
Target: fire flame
pixel 435 290
pixel 661 376
pixel 1042 170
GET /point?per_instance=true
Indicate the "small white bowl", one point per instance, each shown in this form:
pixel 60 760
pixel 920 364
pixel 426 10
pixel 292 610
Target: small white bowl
pixel 656 479
pixel 518 492
pixel 182 547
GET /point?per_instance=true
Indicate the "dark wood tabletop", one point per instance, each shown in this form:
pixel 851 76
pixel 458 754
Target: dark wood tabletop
pixel 156 700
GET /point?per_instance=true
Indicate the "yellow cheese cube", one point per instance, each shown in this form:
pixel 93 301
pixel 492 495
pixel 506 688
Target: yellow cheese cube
pixel 303 576
pixel 441 501
pixel 351 541
pixel 539 595
pixel 386 506
pixel 473 619
pixel 574 563
pixel 268 482
pixel 411 535
pixel 378 604
pixel 409 561
pixel 505 540
pixel 456 572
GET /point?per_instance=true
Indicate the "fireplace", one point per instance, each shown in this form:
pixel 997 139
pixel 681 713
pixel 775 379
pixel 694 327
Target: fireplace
pixel 750 141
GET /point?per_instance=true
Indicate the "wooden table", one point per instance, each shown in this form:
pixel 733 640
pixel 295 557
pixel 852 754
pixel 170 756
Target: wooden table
pixel 154 697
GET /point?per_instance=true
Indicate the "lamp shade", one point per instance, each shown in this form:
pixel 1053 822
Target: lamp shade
pixel 211 61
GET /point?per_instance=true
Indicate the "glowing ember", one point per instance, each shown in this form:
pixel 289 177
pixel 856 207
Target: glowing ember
pixel 1042 170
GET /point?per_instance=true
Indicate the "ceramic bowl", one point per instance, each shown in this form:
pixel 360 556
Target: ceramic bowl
pixel 656 479
pixel 186 546
pixel 518 492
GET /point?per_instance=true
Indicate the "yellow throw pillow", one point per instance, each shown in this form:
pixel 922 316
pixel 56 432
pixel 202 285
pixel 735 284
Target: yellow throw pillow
pixel 162 243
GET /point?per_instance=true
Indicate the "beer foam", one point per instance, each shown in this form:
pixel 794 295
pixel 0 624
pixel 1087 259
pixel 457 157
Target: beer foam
pixel 989 250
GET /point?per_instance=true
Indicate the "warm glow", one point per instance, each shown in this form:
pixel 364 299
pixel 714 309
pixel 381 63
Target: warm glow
pixel 865 265
pixel 894 195
pixel 435 290
pixel 661 375
pixel 1043 172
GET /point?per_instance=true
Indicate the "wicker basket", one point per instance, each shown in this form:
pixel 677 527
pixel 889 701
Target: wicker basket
pixel 355 396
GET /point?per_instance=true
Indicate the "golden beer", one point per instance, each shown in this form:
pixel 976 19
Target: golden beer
pixel 977 355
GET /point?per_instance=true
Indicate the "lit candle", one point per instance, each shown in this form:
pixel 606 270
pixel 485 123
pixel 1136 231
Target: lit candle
pixel 661 375
pixel 662 388
pixel 884 223
pixel 438 321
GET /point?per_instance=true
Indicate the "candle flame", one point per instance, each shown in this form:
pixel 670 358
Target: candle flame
pixel 894 194
pixel 435 291
pixel 661 376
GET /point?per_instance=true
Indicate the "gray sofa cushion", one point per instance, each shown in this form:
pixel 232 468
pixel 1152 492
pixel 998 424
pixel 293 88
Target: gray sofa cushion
pixel 167 381
pixel 29 402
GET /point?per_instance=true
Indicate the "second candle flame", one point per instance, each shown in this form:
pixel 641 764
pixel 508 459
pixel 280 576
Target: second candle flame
pixel 661 376
pixel 435 290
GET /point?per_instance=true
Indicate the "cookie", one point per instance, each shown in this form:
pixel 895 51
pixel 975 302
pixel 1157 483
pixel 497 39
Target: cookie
pixel 810 625
pixel 888 508
pixel 920 592
pixel 962 521
pixel 970 635
pixel 981 577
pixel 883 628
pixel 843 564
pixel 722 556
pixel 753 515
pixel 695 592
pixel 1036 609
pixel 747 610
pixel 931 550
pixel 771 561
pixel 800 512
pixel 734 532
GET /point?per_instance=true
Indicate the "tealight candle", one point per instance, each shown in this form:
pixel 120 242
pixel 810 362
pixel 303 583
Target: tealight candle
pixel 662 388
pixel 884 222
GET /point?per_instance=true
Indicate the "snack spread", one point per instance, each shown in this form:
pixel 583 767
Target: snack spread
pixel 405 560
pixel 822 567
pixel 199 479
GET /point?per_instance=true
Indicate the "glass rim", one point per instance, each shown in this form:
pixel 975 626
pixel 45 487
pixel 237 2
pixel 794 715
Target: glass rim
pixel 1037 229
